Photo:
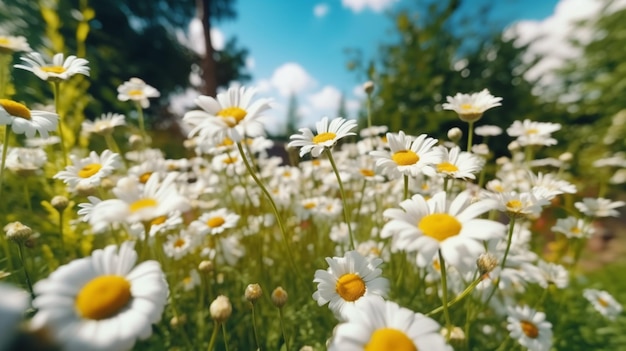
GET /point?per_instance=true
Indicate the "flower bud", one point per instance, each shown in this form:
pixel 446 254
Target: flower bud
pixel 455 134
pixel 368 87
pixel 486 263
pixel 60 203
pixel 253 292
pixel 18 232
pixel 279 297
pixel 205 266
pixel 566 157
pixel 221 309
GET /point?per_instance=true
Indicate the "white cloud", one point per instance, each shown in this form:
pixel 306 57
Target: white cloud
pixel 320 10
pixel 326 99
pixel 194 39
pixel 374 5
pixel 250 63
pixel 291 78
pixel 550 38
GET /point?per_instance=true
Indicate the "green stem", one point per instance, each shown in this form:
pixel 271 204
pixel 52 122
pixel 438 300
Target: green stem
pixel 346 210
pixel 61 235
pixel 5 148
pixel 444 288
pixel 142 127
pixel 57 102
pixel 508 243
pixel 369 114
pixel 457 298
pixel 406 187
pixel 5 61
pixel 225 336
pixel 216 327
pixel 256 334
pixel 26 275
pixel 273 205
pixel 282 328
pixel 470 136
pixel 29 205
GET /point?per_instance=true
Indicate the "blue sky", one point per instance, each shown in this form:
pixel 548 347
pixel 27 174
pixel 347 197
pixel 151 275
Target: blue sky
pixel 298 45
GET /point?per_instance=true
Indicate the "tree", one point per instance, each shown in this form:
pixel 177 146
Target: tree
pixel 437 54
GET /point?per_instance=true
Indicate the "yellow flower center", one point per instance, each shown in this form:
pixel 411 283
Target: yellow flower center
pixel 367 172
pixel 529 329
pixel 89 170
pixel 232 112
pixel 286 174
pixel 603 302
pixel 350 287
pixel 227 142
pixel 53 69
pixel 179 243
pixel 467 107
pixel 135 92
pixel 158 220
pixel 309 205
pixel 323 137
pixel 389 339
pixel 447 167
pixel 230 160
pixel 103 297
pixel 439 226
pixel 15 109
pixel 143 203
pixel 532 131
pixel 514 206
pixel 4 41
pixel 575 230
pixel 143 179
pixel 215 222
pixel 405 157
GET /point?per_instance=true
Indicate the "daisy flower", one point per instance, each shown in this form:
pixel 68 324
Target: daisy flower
pixel 26 161
pixel 529 328
pixel 234 114
pixel 139 203
pixel 13 306
pixel 105 124
pixel 137 90
pixel 524 204
pixel 440 223
pixel 327 135
pixel 192 280
pixel 25 121
pixel 89 171
pixel 470 107
pixel 383 326
pixel 599 207
pixel 603 302
pixel 408 156
pixel 573 227
pixel 179 245
pixel 554 274
pixel 347 280
pixel 533 133
pixel 59 69
pixel 488 130
pixel 456 164
pixel 10 44
pixel 101 302
pixel 215 222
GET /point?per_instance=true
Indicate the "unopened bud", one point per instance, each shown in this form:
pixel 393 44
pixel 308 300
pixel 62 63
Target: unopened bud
pixel 455 134
pixel 107 184
pixel 253 292
pixel 135 141
pixel 566 157
pixel 205 266
pixel 60 203
pixel 457 336
pixel 85 189
pixel 279 297
pixel 368 87
pixel 178 321
pixel 221 309
pixel 486 263
pixel 18 232
pixel 514 146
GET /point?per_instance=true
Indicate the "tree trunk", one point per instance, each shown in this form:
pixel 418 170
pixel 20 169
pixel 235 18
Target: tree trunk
pixel 209 78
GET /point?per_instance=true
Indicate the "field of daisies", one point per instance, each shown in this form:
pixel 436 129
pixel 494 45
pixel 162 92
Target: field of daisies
pixel 364 239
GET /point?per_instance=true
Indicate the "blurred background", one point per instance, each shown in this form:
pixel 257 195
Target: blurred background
pixel 551 60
